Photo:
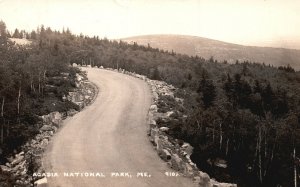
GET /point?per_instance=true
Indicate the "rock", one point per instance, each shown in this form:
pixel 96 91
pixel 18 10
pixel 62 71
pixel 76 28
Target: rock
pixel 196 179
pixel 220 163
pixel 187 148
pixel 155 96
pixel 157 142
pixel 8 164
pixel 23 173
pixel 153 107
pixel 165 154
pixel 54 128
pixel 152 124
pixel 44 142
pixel 71 112
pixel 153 134
pixel 46 128
pixel 217 184
pixel 169 113
pixel 19 167
pixel 204 179
pixel 5 169
pixel 33 141
pixel 41 182
pixel 176 162
pixel 17 160
pixel 21 153
pixel 164 129
pixel 74 65
pixel 56 118
pixel 188 170
pixel 179 100
pixel 10 159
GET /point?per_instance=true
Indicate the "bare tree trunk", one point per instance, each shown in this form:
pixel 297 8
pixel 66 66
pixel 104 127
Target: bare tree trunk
pixel 259 155
pixel 221 136
pixel 2 130
pixel 295 168
pixel 2 107
pixel 227 145
pixel 7 129
pixel 44 81
pixel 31 83
pixel 2 115
pixel 39 82
pixel 266 145
pixel 18 100
pixel 214 134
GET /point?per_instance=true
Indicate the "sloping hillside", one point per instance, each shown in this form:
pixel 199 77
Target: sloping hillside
pixel 193 45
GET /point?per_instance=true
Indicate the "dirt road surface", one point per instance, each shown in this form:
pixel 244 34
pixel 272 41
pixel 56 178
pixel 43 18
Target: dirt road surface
pixel 109 137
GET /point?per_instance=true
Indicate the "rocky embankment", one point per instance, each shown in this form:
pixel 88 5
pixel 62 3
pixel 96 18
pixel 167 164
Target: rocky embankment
pixel 165 109
pixel 22 168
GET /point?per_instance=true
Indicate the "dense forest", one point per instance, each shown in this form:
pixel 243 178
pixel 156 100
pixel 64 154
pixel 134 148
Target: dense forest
pixel 246 113
pixel 33 80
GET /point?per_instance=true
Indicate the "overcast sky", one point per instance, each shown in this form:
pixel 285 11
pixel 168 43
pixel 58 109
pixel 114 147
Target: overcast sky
pixel 249 22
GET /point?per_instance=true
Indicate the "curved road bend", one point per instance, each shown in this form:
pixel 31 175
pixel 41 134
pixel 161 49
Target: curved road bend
pixel 109 136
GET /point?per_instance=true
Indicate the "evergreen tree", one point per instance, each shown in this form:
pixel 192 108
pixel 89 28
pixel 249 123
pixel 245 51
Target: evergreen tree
pixel 16 34
pixel 208 91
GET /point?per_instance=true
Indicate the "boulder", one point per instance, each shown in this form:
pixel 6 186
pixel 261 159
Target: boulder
pixel 187 148
pixel 71 112
pixel 8 164
pixel 161 142
pixel 165 154
pixel 188 170
pixel 220 163
pixel 56 118
pixel 164 129
pixel 41 182
pixel 155 96
pixel 196 179
pixel 170 113
pixel 5 169
pixel 17 160
pixel 153 133
pixel 44 142
pixel 46 128
pixel 54 128
pixel 204 179
pixel 176 162
pixel 152 124
pixel 153 107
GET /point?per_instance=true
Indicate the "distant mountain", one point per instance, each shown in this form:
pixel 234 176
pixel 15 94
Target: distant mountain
pixel 204 47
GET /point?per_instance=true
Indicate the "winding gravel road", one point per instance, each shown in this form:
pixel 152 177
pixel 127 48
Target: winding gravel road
pixel 107 137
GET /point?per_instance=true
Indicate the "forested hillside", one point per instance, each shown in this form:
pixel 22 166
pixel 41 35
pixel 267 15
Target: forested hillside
pixel 193 45
pixel 244 113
